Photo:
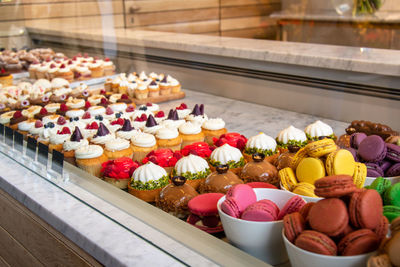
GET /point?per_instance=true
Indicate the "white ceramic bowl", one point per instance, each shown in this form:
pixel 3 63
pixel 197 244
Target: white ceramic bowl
pixel 260 239
pixel 369 180
pixel 307 199
pixel 299 258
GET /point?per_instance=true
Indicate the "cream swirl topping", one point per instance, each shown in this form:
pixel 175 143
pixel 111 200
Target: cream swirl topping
pixel 318 128
pixel 261 141
pixel 190 128
pixel 57 139
pixel 75 103
pixel 291 133
pixel 117 107
pixel 52 107
pixel 59 83
pixel 144 140
pixel 191 164
pixel 73 113
pixel 128 135
pixel 26 125
pixel 167 133
pixel 6 117
pixel 101 140
pixel 226 153
pixel 89 152
pixel 73 145
pixel 214 124
pixel 117 144
pixel 148 172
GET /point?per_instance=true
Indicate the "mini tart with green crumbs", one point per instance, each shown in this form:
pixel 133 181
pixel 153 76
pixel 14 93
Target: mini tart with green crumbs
pixel 194 168
pixel 291 136
pixel 147 181
pixel 229 155
pixel 262 144
pixel 317 130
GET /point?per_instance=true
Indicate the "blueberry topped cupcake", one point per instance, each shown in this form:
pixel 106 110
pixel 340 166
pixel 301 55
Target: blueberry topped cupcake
pixel 261 143
pixel 319 129
pixel 291 136
pixel 194 168
pixel 229 155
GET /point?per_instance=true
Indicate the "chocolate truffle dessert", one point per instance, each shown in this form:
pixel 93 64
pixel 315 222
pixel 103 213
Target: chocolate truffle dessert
pixel 260 170
pixel 286 158
pixel 220 181
pixel 174 197
pixel 344 140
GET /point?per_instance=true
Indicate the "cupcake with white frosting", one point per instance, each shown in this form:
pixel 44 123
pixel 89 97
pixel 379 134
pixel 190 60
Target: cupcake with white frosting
pixel 89 158
pixel 182 110
pixel 37 129
pixel 291 136
pixel 142 144
pixel 174 83
pixel 147 181
pixel 118 148
pixel 57 139
pixel 127 131
pixel 213 128
pixel 151 126
pixel 75 142
pixel 141 91
pixel 319 129
pixel 25 126
pixel 168 138
pixel 263 144
pixel 229 155
pixel 197 115
pixel 194 168
pixel 191 133
pixel 102 136
pixel 172 121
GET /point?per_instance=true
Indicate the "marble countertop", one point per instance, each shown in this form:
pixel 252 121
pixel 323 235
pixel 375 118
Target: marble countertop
pixel 366 60
pixel 74 211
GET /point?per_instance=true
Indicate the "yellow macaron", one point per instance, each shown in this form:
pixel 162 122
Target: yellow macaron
pixel 321 147
pixel 340 162
pixel 360 174
pixel 309 170
pixel 305 189
pixel 299 156
pixel 288 179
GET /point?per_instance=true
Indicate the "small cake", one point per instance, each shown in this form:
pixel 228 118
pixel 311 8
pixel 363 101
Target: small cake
pixel 123 87
pixel 220 181
pixel 291 136
pixel 229 155
pixel 194 168
pixel 154 89
pixel 6 79
pixel 118 148
pixel 233 139
pixel 197 115
pixel 52 108
pixel 172 120
pixel 151 126
pixel 182 110
pixel 96 68
pixel 142 144
pixel 263 144
pixel 118 172
pixel 140 121
pixel 57 140
pixel 285 159
pixel 213 128
pixel 175 85
pixel 160 116
pixel 165 87
pixel 82 73
pixel 76 141
pixel 131 89
pixel 260 170
pixel 127 131
pixel 6 117
pixel 17 118
pixel 191 133
pixel 163 157
pixel 168 138
pixel 108 67
pixel 319 129
pixel 25 126
pixel 65 73
pixel 201 149
pixel 36 130
pixel 75 103
pixel 174 197
pixel 102 136
pixel 147 182
pixel 141 91
pixel 90 159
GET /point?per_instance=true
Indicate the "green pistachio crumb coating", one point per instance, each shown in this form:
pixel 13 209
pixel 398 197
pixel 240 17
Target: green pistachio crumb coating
pixel 232 164
pixel 293 143
pixel 253 150
pixel 150 185
pixel 193 176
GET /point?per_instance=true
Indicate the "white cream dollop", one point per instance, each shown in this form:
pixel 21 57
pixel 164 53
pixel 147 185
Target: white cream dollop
pixel 117 144
pixel 190 128
pixel 148 172
pixel 167 133
pixel 89 152
pixel 101 140
pixel 73 145
pixel 26 125
pixel 73 113
pixel 318 128
pixel 225 154
pixel 214 124
pixel 144 140
pixel 261 141
pixel 128 135
pixel 191 164
pixel 57 139
pixel 291 133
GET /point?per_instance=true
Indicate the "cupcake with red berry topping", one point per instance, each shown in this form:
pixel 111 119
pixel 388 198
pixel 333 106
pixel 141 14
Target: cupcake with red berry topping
pixel 194 168
pixel 118 172
pixel 42 113
pixel 163 157
pixel 233 139
pixel 58 139
pixel 65 72
pixel 160 116
pixel 108 67
pixel 126 99
pixel 191 133
pixel 201 149
pixel 75 141
pixel 17 118
pixel 37 128
pixel 90 129
pixel 118 148
pixel 229 155
pixel 142 144
pixel 140 122
pixel 115 124
pixel 63 109
pixel 213 128
pixel 25 126
pixel 96 67
pixel 130 111
pixel 168 138
pixel 183 111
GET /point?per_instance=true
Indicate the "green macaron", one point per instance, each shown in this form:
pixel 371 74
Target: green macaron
pixel 392 195
pixel 391 212
pixel 380 184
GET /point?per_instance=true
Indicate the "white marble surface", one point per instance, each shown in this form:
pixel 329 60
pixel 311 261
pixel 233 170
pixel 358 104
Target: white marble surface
pixel 109 242
pixel 368 60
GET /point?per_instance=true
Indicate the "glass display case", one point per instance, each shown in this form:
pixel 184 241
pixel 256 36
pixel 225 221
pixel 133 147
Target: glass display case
pixel 119 71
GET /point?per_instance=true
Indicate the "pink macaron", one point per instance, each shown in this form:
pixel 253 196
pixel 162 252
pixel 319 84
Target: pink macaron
pixel 294 204
pixel 262 211
pixel 238 198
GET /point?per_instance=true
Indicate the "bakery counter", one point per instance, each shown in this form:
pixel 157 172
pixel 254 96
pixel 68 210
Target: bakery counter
pixel 341 83
pixel 117 229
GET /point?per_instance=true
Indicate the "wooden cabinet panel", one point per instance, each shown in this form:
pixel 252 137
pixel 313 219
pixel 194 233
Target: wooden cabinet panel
pixel 147 6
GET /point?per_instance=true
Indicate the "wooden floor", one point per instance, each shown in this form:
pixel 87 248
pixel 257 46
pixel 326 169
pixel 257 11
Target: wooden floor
pixel 27 240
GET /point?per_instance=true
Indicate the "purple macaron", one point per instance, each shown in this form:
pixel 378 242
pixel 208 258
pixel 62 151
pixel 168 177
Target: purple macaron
pixel 374 170
pixel 353 152
pixel 372 149
pixel 394 170
pixel 385 165
pixel 393 152
pixel 356 139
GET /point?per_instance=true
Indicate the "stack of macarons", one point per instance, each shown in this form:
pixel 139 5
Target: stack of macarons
pixel 382 159
pixel 241 202
pixel 315 161
pixel 347 222
pixel 389 254
pixel 390 195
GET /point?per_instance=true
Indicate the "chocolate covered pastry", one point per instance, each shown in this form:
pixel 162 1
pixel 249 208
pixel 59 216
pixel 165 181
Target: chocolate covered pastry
pixel 372 128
